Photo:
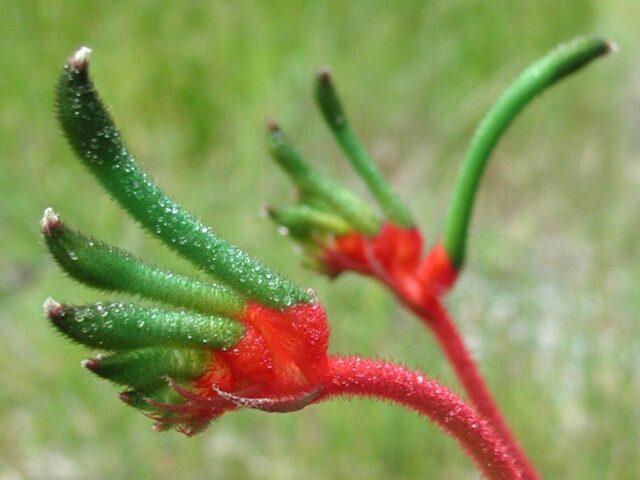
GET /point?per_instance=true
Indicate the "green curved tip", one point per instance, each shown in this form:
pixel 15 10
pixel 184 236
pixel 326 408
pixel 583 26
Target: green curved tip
pixel 107 267
pixel 146 368
pixel 303 221
pixel 92 134
pixel 314 185
pixel 556 65
pixel 335 117
pixel 122 326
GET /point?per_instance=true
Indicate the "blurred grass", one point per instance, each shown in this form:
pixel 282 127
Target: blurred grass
pixel 550 299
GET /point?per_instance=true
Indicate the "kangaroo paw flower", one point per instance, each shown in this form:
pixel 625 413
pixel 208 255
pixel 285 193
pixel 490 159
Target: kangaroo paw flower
pixel 319 191
pixel 121 326
pixel 393 252
pixel 561 62
pixel 338 231
pixel 278 365
pixel 249 338
pixel 145 368
pixel 388 252
pixel 248 334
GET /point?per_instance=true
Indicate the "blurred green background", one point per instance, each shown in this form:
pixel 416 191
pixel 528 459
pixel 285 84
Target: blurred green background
pixel 550 299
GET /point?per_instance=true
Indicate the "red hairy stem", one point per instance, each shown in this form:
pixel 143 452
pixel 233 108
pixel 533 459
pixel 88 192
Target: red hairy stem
pixel 394 258
pixel 436 318
pixel 354 376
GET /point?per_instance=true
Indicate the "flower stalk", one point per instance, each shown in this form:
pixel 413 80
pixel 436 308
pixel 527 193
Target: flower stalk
pixel 353 376
pixel 438 321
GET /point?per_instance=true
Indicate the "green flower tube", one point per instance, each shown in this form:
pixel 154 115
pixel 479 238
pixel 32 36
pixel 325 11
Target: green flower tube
pixel 147 368
pixel 106 267
pixel 121 326
pixel 95 139
pixel 558 64
pixel 303 220
pixel 345 203
pixel 334 115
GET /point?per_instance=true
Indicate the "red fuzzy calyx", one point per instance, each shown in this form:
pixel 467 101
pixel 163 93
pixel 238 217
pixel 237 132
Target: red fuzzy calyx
pixel 393 251
pixel 279 364
pixel 437 271
pixel 282 350
pixel 393 256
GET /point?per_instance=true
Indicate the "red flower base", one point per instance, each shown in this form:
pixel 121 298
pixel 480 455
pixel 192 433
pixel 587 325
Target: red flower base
pixel 393 256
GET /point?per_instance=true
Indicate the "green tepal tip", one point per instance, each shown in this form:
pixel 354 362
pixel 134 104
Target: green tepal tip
pixel 333 113
pixel 303 221
pixel 122 326
pixel 95 139
pixel 147 368
pixel 348 205
pixel 107 267
pixel 556 65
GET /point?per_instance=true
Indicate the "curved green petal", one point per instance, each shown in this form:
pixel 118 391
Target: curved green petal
pixel 95 139
pixel 346 204
pixel 104 266
pixel 327 99
pixel 145 368
pixel 122 326
pixel 561 62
